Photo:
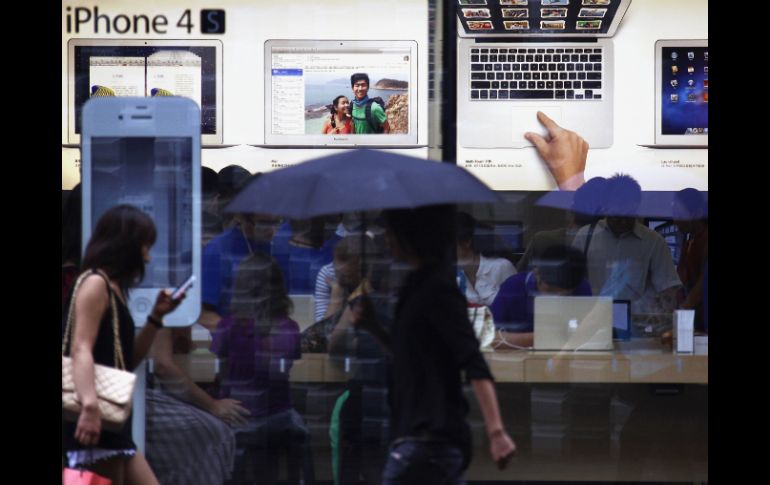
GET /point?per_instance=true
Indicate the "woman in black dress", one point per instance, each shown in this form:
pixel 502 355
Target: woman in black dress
pixel 115 259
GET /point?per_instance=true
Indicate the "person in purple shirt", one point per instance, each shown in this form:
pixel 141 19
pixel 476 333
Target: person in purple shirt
pixel 258 343
pixel 560 270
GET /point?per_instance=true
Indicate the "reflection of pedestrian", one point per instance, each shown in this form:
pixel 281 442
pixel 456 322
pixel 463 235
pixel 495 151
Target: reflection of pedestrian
pixel 377 120
pixel 432 342
pixel 114 261
pixel 339 122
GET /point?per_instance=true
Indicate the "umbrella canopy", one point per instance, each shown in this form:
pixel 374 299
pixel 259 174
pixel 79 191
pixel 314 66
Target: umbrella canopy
pixel 359 180
pixel 589 200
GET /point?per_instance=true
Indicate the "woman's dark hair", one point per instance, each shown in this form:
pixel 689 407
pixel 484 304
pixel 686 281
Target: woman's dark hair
pixel 71 228
pixel 209 182
pixel 230 180
pixel 116 244
pixel 259 292
pixel 426 232
pixel 561 266
pixel 336 101
pixel 333 108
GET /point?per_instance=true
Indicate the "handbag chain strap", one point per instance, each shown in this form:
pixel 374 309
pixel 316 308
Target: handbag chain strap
pixel 117 347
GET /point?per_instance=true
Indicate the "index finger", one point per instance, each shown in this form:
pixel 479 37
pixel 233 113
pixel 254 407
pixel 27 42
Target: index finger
pixel 549 124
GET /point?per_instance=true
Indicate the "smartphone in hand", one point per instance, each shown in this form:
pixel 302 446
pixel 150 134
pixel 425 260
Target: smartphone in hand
pixel 182 289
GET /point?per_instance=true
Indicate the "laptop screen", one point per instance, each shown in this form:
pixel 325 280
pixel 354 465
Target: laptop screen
pixel 544 17
pixel 684 90
pixel 104 67
pixel 303 79
pixel 621 319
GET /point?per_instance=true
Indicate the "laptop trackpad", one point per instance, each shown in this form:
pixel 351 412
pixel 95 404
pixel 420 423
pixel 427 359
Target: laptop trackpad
pixel 525 119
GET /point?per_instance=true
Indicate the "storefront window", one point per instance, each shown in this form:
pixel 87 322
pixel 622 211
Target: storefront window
pixel 586 287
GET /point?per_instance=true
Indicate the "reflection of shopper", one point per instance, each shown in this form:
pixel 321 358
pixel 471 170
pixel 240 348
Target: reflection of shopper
pixel 483 275
pixel 258 343
pixel 559 270
pixel 432 343
pixel 377 120
pixel 339 122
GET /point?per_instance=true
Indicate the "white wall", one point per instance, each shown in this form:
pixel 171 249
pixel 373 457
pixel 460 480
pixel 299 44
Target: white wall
pixel 248 25
pixel 645 22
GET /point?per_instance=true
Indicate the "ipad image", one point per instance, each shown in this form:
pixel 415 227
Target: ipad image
pixel 681 93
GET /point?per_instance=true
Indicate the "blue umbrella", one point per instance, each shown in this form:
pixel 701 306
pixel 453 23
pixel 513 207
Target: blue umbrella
pixel 359 180
pixel 652 204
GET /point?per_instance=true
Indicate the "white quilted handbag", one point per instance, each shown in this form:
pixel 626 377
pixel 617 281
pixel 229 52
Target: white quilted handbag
pixel 114 385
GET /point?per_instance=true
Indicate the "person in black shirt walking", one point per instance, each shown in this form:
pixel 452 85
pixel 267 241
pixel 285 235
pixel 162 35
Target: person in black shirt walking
pixel 432 342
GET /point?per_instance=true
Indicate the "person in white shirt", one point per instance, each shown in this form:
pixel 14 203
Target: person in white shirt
pixel 482 275
pixel 627 260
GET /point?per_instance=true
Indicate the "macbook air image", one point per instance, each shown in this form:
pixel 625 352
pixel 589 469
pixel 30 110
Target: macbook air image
pixel 304 77
pixel 681 94
pixel 573 323
pixel 517 57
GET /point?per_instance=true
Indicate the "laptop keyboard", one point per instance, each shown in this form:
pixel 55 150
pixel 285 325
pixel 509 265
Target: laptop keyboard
pixel 536 73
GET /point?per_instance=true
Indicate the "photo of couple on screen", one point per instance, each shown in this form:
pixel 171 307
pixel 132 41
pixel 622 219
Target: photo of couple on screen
pixel 377 105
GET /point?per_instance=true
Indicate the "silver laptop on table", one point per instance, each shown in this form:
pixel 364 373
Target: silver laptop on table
pixel 517 57
pixel 573 323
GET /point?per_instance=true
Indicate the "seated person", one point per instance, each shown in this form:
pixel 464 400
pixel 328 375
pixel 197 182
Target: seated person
pixel 560 270
pixel 251 234
pixel 258 343
pixel 358 451
pixel 301 250
pixel 188 439
pixel 345 278
pixel 338 279
pixel 481 275
pixel 586 204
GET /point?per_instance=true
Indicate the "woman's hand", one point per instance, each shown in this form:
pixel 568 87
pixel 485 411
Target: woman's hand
pixel 89 426
pixel 230 411
pixel 164 304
